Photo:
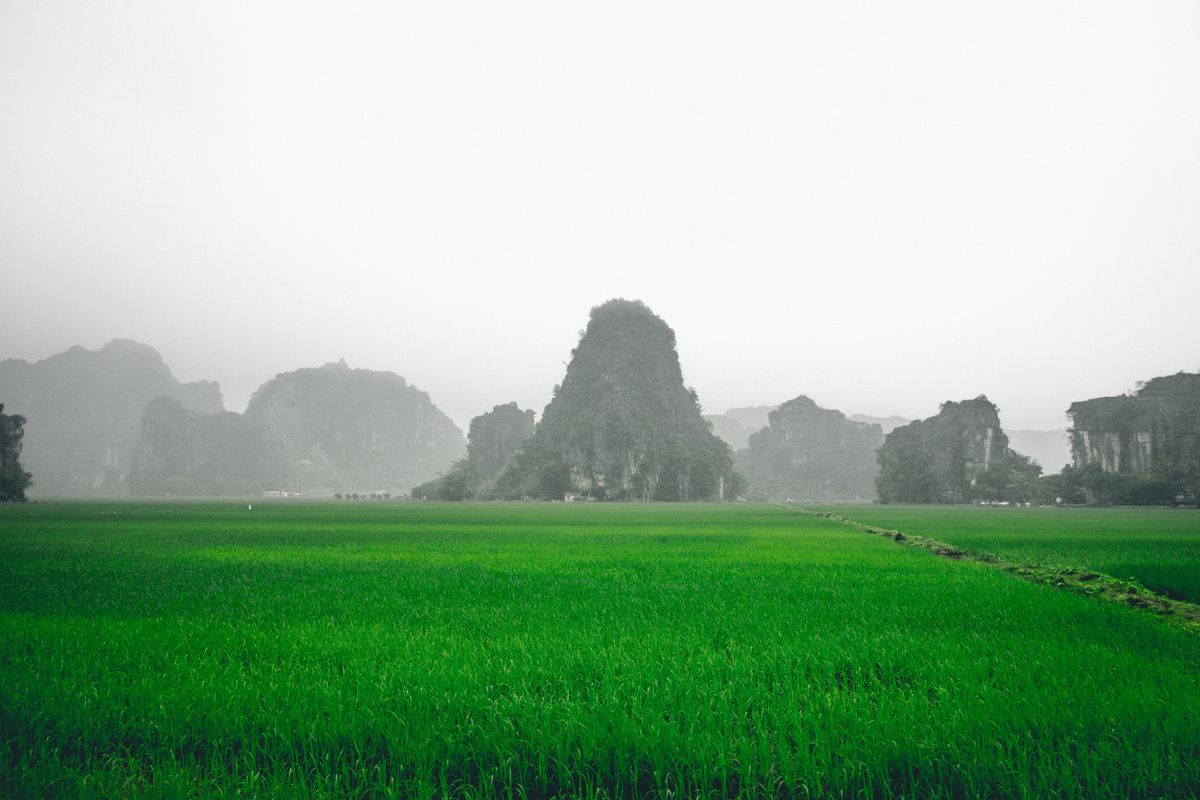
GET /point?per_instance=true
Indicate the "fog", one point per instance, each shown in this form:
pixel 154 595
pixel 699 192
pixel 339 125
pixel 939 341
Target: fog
pixel 881 205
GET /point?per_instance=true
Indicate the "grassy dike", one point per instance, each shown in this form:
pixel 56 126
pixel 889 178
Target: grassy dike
pixel 1158 548
pixel 538 650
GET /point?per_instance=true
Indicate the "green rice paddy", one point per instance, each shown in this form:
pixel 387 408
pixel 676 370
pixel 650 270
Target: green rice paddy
pixel 539 650
pixel 1157 547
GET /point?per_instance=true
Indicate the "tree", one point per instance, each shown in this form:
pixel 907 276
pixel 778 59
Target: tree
pixel 13 479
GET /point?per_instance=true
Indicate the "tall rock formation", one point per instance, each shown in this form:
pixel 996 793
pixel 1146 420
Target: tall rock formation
pixel 181 453
pixel 622 425
pixel 811 453
pixel 492 442
pixel 958 456
pixel 14 480
pixel 343 429
pixel 1154 433
pixel 84 410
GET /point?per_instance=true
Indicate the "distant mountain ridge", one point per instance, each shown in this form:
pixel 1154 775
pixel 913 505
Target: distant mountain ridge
pixel 354 429
pixel 83 411
pixel 886 424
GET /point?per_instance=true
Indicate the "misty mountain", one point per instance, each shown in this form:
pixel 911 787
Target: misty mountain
pixel 622 425
pixel 1051 449
pixel 960 455
pixel 1143 447
pixel 752 418
pixel 886 424
pixel 492 441
pixel 182 453
pixel 14 480
pixel 736 425
pixel 810 453
pixel 728 430
pixel 83 411
pixel 343 429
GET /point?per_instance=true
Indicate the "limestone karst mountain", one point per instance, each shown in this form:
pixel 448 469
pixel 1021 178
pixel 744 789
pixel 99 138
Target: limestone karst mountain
pixel 492 441
pixel 1151 435
pixel 181 453
pixel 960 455
pixel 622 425
pixel 343 429
pixel 810 453
pixel 83 411
pixel 14 480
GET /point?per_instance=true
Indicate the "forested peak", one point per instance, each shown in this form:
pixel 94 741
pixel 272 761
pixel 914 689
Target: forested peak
pixel 799 404
pixel 622 425
pixel 334 381
pixel 339 372
pixel 1181 384
pixel 131 348
pixel 626 347
pixel 980 408
pixel 811 453
pixel 620 312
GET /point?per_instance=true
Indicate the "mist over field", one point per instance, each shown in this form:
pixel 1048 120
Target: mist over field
pixel 882 207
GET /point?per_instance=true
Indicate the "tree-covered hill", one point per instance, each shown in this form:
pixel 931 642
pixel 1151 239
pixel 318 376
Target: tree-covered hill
pixel 344 429
pixel 184 454
pixel 622 425
pixel 958 456
pixel 14 480
pixel 85 412
pixel 492 442
pixel 810 453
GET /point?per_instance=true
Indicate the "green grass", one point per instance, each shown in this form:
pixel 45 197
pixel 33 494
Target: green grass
pixel 1157 547
pixel 418 650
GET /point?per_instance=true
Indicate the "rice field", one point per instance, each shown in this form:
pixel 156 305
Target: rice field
pixel 552 650
pixel 1157 547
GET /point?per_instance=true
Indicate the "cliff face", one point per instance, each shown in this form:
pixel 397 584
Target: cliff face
pixel 622 425
pixel 958 456
pixel 184 454
pixel 343 429
pixel 811 453
pixel 84 410
pixel 1155 432
pixel 14 480
pixel 492 442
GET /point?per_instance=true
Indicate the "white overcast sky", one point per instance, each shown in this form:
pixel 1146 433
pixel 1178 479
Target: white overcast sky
pixel 883 205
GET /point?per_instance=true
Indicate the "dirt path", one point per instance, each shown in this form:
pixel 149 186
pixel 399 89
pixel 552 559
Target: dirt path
pixel 1092 584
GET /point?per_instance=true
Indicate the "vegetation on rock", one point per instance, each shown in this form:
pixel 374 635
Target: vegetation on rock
pixel 1141 448
pixel 958 456
pixel 14 480
pixel 622 426
pixel 85 413
pixel 810 453
pixel 184 454
pixel 354 429
pixel 492 441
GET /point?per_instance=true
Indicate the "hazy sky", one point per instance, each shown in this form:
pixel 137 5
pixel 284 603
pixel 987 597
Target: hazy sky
pixel 883 205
